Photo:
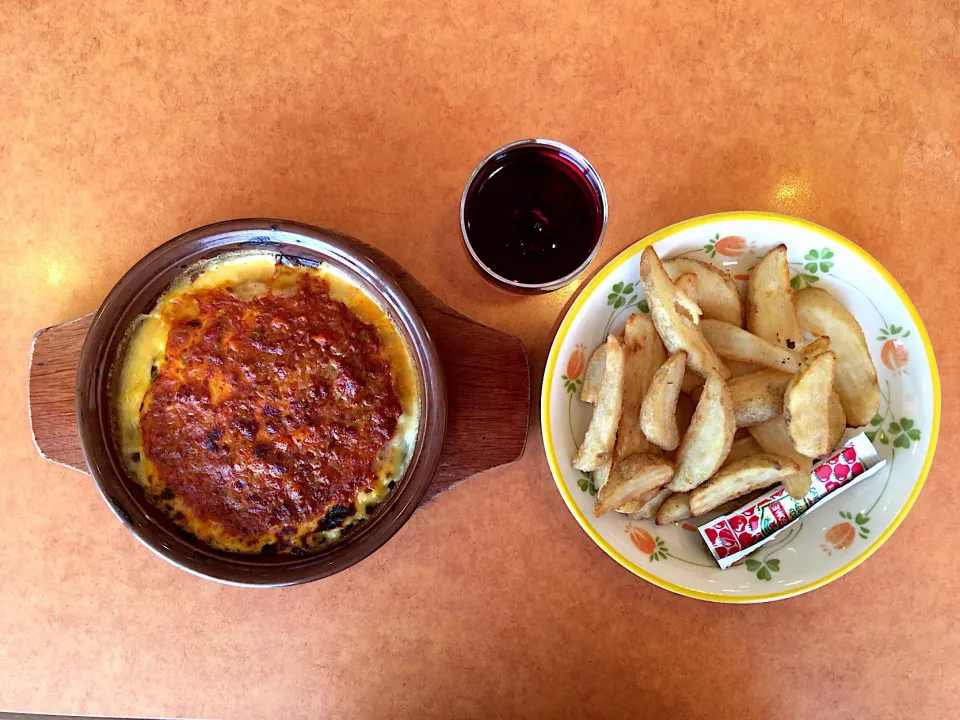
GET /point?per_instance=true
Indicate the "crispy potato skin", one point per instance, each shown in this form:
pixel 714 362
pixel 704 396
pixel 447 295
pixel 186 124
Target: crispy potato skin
pixel 806 406
pixel 593 374
pixel 677 331
pixel 735 344
pixel 644 356
pixel 707 441
pixel 758 396
pixel 856 376
pixel 630 479
pixel 739 478
pixel 771 313
pixel 601 434
pixel 717 293
pixel 658 414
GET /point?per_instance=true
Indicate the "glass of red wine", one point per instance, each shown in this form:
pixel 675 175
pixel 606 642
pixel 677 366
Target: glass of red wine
pixel 533 215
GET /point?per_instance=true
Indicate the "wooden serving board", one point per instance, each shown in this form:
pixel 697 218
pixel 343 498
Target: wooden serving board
pixel 487 374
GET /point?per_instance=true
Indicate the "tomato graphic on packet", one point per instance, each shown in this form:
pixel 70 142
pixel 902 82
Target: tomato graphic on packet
pixel 823 472
pixel 722 539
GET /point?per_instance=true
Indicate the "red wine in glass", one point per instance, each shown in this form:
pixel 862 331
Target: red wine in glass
pixel 533 215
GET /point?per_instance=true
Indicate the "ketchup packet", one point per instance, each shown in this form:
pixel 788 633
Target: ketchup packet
pixel 736 535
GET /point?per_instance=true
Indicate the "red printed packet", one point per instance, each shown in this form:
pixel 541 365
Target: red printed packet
pixel 734 536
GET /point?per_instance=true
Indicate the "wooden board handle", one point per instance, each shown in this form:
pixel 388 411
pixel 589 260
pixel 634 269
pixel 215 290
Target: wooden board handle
pixel 487 373
pixel 52 391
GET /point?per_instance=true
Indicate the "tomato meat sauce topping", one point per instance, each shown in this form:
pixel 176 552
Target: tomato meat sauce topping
pixel 266 418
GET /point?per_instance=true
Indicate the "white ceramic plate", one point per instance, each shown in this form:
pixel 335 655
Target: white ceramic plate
pixel 833 538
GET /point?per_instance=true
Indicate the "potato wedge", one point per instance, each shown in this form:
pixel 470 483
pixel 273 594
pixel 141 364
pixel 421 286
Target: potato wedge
pixel 630 479
pixel 707 441
pixel 856 378
pixel 773 438
pixel 632 506
pixel 601 434
pixel 806 406
pixel 820 345
pixel 644 356
pixel 602 473
pixel 836 420
pixel 674 509
pixel 798 484
pixel 658 414
pixel 717 293
pixel 678 331
pixel 741 448
pixel 738 368
pixel 687 284
pixel 758 396
pixel 771 313
pixel 593 375
pixel 647 505
pixel 734 343
pixel 739 478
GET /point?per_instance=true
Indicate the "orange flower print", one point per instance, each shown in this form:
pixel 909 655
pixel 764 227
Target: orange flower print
pixel 641 539
pixel 894 355
pixel 893 352
pixel 731 246
pixel 577 362
pixel 575 366
pixel 646 543
pixel 839 537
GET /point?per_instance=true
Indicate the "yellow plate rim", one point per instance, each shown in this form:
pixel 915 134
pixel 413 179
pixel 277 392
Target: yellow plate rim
pixel 632 251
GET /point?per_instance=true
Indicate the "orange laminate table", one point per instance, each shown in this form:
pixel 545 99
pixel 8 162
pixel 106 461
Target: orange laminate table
pixel 124 124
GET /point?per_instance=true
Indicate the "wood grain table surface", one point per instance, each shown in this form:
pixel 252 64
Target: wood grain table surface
pixel 123 124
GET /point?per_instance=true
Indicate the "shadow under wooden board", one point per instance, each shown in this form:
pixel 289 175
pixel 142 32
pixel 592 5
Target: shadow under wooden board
pixel 487 375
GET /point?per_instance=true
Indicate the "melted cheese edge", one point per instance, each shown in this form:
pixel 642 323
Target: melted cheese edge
pixel 250 275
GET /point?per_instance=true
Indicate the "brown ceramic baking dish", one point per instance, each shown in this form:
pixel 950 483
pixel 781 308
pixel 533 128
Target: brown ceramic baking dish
pixel 137 293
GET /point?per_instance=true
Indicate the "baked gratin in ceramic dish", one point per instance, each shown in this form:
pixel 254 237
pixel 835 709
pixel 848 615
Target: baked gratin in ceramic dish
pixel 260 403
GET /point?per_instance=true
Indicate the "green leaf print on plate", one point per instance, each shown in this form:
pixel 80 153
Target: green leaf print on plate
pixel 764 569
pixel 814 262
pixel 586 484
pixel 620 295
